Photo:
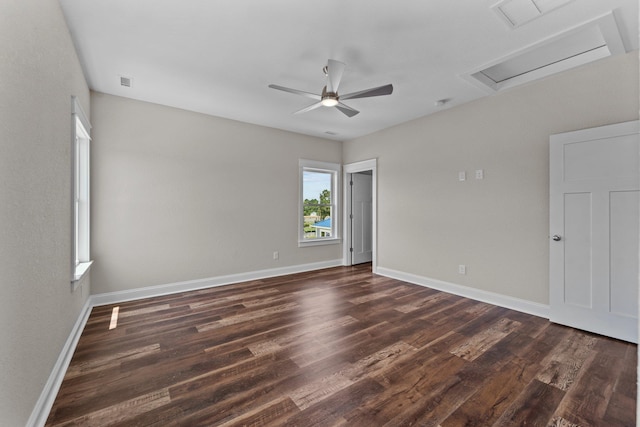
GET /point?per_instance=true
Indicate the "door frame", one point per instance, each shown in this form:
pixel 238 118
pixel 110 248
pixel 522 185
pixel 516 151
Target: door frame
pixel 362 166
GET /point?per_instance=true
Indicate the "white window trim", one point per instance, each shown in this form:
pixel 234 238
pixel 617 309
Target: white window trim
pixel 80 244
pixel 335 169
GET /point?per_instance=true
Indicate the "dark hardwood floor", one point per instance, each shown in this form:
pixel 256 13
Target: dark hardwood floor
pixel 340 347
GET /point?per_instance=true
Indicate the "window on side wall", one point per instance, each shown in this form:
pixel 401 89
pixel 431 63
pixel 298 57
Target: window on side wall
pixel 81 259
pixel 319 211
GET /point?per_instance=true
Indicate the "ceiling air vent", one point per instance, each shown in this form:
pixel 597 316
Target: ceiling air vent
pixel 586 43
pixel 517 12
pixel 125 81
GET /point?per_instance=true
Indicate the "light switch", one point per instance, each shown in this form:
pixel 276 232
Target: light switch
pixel 462 176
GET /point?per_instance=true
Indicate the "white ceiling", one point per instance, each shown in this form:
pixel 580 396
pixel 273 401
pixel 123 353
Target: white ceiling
pixel 219 56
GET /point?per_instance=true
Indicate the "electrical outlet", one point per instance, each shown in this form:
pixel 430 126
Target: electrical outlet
pixel 276 255
pixel 479 174
pixel 462 269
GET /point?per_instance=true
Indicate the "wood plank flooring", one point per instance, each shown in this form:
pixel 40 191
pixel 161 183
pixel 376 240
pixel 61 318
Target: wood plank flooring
pixel 340 347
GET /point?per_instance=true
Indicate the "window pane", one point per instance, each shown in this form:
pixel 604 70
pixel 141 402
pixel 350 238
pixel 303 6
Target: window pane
pixel 317 185
pixel 81 190
pixel 316 191
pixel 315 227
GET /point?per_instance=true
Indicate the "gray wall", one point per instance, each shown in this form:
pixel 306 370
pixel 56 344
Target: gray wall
pixel 178 195
pixel 429 222
pixel 39 71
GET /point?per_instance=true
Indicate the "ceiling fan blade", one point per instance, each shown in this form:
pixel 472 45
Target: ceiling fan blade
pixel 348 111
pixel 376 91
pixel 297 92
pixel 309 108
pixel 334 75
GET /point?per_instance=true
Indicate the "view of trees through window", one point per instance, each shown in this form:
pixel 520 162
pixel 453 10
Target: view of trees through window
pixel 317 204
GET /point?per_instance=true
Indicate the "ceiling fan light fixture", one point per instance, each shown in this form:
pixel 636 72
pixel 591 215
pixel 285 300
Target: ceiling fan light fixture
pixel 329 101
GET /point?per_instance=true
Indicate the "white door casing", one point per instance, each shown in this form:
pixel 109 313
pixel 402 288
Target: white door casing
pixel 595 228
pixel 348 169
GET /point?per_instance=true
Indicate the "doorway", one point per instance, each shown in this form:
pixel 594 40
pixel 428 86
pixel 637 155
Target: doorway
pixel 360 213
pixel 360 216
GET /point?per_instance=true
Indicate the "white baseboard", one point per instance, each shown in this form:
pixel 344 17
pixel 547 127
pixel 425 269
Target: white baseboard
pixel 210 282
pixel 50 391
pixel 529 307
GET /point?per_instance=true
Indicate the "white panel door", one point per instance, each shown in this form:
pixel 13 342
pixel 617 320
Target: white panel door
pixel 595 229
pixel 361 211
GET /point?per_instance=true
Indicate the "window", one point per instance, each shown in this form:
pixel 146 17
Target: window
pixel 318 223
pixel 81 260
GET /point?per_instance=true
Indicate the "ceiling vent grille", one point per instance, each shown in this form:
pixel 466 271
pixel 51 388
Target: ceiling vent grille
pixel 586 43
pixel 125 81
pixel 517 12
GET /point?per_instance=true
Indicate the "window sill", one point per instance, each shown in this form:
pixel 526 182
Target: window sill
pixel 318 242
pixel 80 272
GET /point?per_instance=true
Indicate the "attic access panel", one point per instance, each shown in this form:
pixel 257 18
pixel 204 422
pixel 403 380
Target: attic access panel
pixel 567 47
pixel 517 12
pixel 586 43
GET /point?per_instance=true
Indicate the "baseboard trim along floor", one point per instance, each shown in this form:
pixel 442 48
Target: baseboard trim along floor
pixel 47 397
pixel 524 306
pixel 210 282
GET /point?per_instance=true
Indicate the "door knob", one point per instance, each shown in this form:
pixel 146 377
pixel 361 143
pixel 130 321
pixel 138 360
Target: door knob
pixel 556 238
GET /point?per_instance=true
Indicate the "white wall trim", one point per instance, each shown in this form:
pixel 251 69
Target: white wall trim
pixel 529 307
pixel 50 391
pixel 192 285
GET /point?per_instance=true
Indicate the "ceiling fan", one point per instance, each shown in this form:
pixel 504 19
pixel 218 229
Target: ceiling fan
pixel 330 97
